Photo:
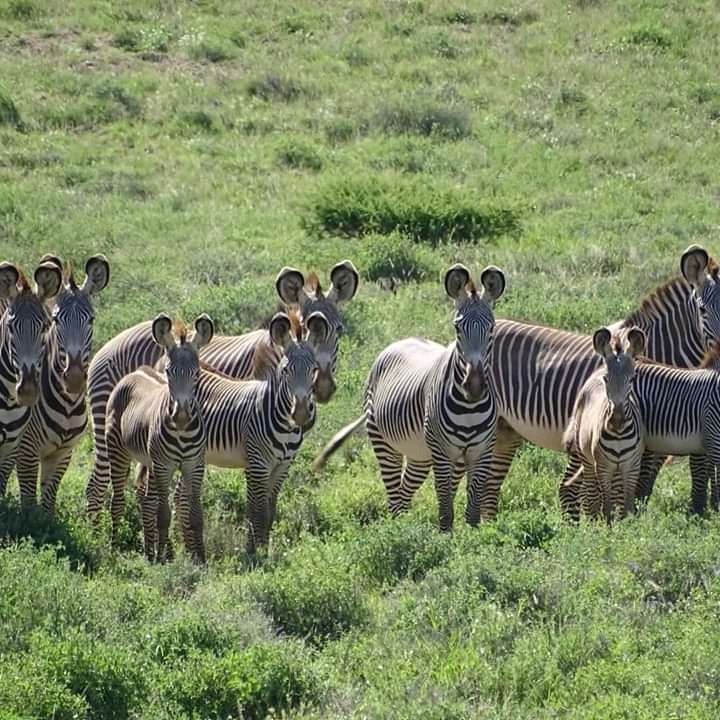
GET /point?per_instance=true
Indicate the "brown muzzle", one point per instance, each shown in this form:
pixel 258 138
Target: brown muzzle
pixel 75 376
pixel 474 383
pixel 28 387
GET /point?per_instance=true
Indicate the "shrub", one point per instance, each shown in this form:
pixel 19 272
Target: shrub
pixel 314 596
pixel 9 114
pixel 394 257
pixel 275 87
pixel 249 684
pixel 423 118
pixel 298 155
pixel 360 206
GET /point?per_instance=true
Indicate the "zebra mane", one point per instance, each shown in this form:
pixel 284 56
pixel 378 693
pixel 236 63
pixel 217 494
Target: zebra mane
pixel 23 283
pixel 471 287
pixel 69 275
pixel 264 358
pixel 313 284
pixel 180 331
pixel 296 329
pixel 712 355
pixel 655 303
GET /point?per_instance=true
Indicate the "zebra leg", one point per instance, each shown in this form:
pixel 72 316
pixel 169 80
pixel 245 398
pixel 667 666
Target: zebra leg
pixel 649 469
pixel 7 462
pixel 189 509
pixel 715 487
pixel 258 507
pixel 699 466
pixel 591 499
pixel 119 468
pixel 413 476
pixel 482 502
pixel 507 442
pixel 27 468
pixel 52 472
pixel 160 479
pixel 277 478
pixel 446 484
pixel 604 475
pixel 629 476
pixel 571 488
pixel 99 482
pixel 391 465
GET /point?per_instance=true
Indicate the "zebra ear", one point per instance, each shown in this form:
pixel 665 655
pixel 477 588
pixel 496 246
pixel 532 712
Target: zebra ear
pixel 48 279
pixel 693 265
pixel 344 279
pixel 290 286
pixel 636 341
pixel 456 278
pixel 97 272
pixel 9 277
pixel 162 331
pixel 601 341
pixel 318 328
pixel 280 329
pixel 493 280
pixel 204 331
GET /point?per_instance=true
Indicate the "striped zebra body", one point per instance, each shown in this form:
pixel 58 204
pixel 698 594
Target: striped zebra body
pixel 538 371
pixel 259 425
pixel 231 355
pixel 153 418
pixel 605 431
pixel 59 417
pixel 432 407
pixel 23 344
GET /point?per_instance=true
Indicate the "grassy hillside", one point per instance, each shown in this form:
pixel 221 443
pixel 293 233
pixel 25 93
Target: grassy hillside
pixel 204 145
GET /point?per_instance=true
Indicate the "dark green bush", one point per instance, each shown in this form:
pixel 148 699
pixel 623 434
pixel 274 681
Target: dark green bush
pixel 275 87
pixel 315 596
pixel 356 207
pixel 249 684
pixel 298 155
pixel 9 114
pixel 421 117
pixel 396 257
pixel 399 548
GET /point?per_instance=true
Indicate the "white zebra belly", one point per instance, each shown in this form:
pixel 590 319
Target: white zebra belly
pixel 691 444
pixel 546 437
pixel 413 447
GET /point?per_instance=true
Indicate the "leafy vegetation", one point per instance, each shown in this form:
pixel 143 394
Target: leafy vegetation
pixel 202 147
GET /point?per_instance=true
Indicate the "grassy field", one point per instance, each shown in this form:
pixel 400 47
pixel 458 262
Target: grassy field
pixel 204 145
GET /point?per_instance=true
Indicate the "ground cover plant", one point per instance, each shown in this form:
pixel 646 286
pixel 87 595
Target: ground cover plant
pixel 203 146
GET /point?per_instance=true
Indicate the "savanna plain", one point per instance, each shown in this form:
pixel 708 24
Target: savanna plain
pixel 201 146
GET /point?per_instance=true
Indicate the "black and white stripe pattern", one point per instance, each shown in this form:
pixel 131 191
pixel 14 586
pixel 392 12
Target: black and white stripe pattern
pixel 605 431
pixel 23 344
pixel 231 355
pixel 153 418
pixel 59 417
pixel 433 407
pixel 538 371
pixel 259 425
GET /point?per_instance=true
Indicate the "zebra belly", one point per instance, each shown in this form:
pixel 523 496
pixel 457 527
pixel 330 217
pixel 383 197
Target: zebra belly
pixel 413 447
pixel 550 436
pixel 675 444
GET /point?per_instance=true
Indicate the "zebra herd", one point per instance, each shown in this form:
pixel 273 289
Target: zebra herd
pixel 169 397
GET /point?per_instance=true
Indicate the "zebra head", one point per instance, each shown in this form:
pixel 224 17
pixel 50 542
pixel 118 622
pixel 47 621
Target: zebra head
pixel 619 357
pixel 26 322
pixel 72 321
pixel 298 369
pixel 309 297
pixel 182 363
pixel 474 322
pixel 702 273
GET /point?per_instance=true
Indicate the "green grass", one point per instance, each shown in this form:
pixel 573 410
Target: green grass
pixel 202 147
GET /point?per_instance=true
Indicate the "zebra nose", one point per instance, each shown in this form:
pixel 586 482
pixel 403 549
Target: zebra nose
pixel 27 388
pixel 474 382
pixel 181 415
pixel 617 417
pixel 325 386
pixel 75 375
pixel 301 411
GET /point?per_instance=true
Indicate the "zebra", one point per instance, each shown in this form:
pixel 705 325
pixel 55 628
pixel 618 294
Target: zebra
pixel 538 371
pixel 680 413
pixel 434 407
pixel 59 418
pixel 605 431
pixel 231 355
pixel 153 418
pixel 23 340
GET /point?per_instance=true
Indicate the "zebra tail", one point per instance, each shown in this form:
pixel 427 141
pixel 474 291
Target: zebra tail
pixel 337 441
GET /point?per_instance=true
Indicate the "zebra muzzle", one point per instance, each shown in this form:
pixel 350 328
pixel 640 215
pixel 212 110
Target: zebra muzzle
pixel 301 412
pixel 27 388
pixel 474 382
pixel 181 416
pixel 75 376
pixel 617 419
pixel 325 386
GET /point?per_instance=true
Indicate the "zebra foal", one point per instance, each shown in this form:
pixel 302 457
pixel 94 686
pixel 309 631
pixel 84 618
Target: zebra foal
pixel 428 406
pixel 605 431
pixel 23 342
pixel 153 418
pixel 231 355
pixel 59 417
